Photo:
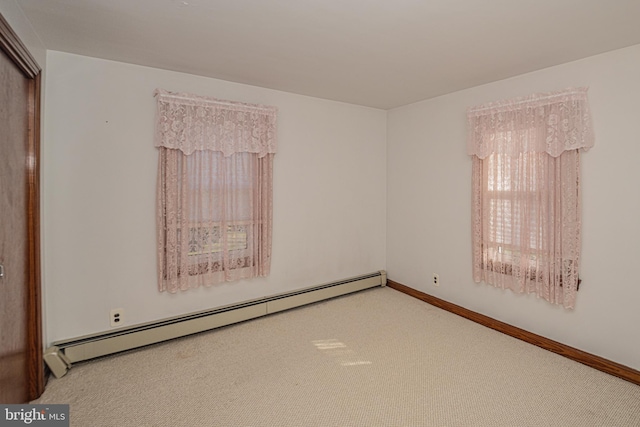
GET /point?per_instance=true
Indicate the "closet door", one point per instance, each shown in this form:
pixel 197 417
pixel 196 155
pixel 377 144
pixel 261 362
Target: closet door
pixel 21 366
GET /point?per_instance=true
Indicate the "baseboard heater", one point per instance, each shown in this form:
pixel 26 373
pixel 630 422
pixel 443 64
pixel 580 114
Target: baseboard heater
pixel 63 354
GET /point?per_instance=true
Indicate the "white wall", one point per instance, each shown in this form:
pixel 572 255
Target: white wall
pixel 100 180
pixel 429 207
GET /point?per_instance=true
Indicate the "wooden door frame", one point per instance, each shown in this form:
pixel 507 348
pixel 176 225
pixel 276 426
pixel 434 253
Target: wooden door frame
pixel 11 44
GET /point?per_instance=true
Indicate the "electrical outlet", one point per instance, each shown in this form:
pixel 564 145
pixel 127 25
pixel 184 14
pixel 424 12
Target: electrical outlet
pixel 436 279
pixel 116 317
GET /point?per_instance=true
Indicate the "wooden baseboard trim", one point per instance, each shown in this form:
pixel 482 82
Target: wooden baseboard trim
pixel 585 358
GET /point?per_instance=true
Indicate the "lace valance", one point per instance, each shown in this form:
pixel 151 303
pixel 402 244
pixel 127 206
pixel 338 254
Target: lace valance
pixel 548 122
pixel 189 122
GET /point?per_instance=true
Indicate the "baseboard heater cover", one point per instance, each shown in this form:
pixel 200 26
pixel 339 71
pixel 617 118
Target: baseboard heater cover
pixel 63 354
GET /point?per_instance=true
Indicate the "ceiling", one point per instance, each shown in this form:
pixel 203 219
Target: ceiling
pixel 377 53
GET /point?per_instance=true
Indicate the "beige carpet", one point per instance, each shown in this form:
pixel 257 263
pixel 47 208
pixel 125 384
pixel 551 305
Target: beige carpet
pixel 375 358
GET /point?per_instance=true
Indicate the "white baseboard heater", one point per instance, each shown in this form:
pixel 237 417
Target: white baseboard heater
pixel 63 354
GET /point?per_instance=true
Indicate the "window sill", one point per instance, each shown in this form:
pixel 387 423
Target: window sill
pixel 508 269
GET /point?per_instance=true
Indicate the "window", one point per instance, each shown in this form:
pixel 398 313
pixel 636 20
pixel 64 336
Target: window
pixel 526 192
pixel 214 201
pixel 213 181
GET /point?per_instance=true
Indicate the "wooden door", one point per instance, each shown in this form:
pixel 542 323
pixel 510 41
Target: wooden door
pixel 21 364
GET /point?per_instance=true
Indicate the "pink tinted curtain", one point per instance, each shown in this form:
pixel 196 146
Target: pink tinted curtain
pixel 526 217
pixel 214 193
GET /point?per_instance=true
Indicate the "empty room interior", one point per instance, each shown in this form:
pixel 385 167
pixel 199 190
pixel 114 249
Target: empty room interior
pixel 375 186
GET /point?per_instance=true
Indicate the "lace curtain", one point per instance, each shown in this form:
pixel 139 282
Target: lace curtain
pixel 526 217
pixel 544 123
pixel 214 192
pixel 190 123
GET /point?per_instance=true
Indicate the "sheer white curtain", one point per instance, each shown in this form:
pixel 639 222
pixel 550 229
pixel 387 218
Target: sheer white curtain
pixel 526 219
pixel 214 193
